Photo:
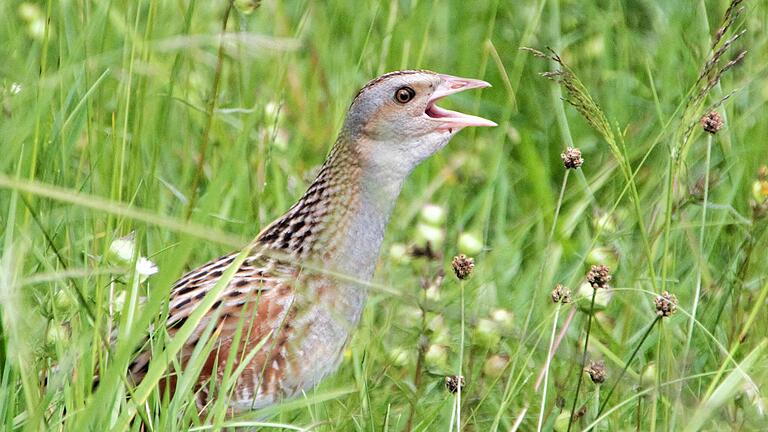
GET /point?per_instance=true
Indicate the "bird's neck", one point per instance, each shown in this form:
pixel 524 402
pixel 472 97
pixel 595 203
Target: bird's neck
pixel 340 221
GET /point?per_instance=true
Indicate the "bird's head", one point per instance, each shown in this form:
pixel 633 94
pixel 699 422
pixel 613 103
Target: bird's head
pixel 395 122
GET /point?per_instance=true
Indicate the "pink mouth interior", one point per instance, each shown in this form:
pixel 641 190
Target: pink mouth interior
pixel 435 111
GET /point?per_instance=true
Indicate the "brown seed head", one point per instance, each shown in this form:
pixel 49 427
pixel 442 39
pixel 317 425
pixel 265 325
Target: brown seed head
pixel 712 122
pixel 454 383
pixel 561 294
pixel 579 413
pixel 762 173
pixel 572 158
pixel 596 371
pixel 666 304
pixel 463 266
pixel 599 276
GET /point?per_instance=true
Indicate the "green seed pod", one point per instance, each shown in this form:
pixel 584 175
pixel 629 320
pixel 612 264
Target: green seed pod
pixel 504 319
pixel 56 334
pixel 470 244
pixel 486 333
pixel 399 356
pixel 561 422
pixel 433 214
pixel 649 374
pixel 429 234
pixel 760 190
pixel 495 365
pixel 399 253
pixel 602 297
pixel 436 357
pixel 603 255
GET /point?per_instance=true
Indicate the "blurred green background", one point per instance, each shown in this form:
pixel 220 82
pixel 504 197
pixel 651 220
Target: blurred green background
pixel 147 117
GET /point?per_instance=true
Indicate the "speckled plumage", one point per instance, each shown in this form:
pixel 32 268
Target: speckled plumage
pixel 287 294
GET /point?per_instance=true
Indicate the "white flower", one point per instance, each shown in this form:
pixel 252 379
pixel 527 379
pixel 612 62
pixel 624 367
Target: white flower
pixel 399 253
pixel 428 233
pixel 15 88
pixel 433 214
pixel 145 267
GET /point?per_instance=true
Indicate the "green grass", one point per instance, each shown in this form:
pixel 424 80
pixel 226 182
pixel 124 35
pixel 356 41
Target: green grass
pixel 121 117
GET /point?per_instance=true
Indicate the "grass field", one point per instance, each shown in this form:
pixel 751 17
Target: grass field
pixel 147 117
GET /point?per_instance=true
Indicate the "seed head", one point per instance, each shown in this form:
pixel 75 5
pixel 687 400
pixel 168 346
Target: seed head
pixel 762 173
pixel 454 383
pixel 759 209
pixel 561 294
pixel 596 371
pixel 463 266
pixel 712 122
pixel 496 365
pixel 666 304
pixel 572 158
pixel 599 276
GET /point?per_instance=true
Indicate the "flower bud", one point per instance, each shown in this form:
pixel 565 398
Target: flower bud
pixel 561 422
pixel 486 333
pixel 426 233
pixel 605 222
pixel 760 190
pixel 602 297
pixel 399 253
pixel 399 356
pixel 470 244
pixel 56 334
pixel 63 300
pixel 433 214
pixel 436 357
pixel 122 249
pixel 603 255
pixel 648 376
pixel 495 365
pixel 504 319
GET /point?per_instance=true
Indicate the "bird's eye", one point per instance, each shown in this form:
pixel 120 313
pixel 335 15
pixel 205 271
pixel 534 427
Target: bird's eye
pixel 404 94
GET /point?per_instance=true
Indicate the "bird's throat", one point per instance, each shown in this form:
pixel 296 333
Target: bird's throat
pixel 340 221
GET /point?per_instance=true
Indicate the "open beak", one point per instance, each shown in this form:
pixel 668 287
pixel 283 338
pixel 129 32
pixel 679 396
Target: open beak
pixel 451 119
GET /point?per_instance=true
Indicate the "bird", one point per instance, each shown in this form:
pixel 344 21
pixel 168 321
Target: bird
pixel 291 307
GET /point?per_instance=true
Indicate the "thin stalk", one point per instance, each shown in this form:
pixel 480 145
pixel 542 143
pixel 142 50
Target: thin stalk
pixel 549 242
pixel 667 225
pixel 453 415
pixel 557 213
pixel 756 308
pixel 626 365
pixel 701 246
pixel 702 256
pixel 419 367
pixel 456 412
pixel 597 403
pixel 461 362
pixel 210 112
pixel 657 386
pixel 583 360
pixel 546 366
